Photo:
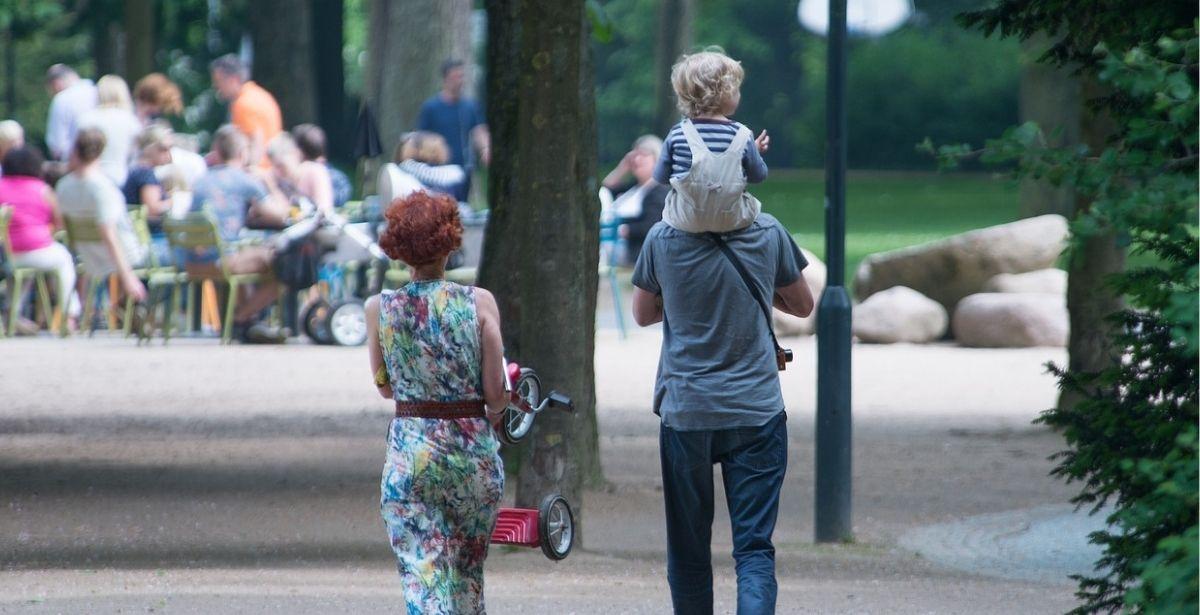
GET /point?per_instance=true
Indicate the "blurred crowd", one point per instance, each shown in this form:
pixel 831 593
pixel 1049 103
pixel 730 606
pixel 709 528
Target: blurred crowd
pixel 113 162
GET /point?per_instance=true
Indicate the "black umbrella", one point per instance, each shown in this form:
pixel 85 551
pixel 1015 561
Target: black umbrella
pixel 366 134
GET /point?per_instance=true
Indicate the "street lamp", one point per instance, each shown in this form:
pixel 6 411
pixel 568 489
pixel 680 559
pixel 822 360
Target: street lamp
pixel 833 450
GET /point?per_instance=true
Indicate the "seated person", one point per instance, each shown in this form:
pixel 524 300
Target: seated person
pixel 87 193
pixel 310 138
pixel 424 156
pixel 296 178
pixel 143 187
pixel 636 199
pixel 238 199
pixel 34 218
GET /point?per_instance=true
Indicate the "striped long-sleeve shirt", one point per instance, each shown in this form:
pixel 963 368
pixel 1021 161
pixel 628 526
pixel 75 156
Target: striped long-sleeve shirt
pixel 676 157
pixel 443 177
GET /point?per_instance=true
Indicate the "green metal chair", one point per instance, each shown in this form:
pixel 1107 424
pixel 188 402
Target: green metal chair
pixel 198 231
pixel 157 275
pixel 17 277
pixel 86 230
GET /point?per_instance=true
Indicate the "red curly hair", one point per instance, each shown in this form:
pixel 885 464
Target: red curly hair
pixel 422 228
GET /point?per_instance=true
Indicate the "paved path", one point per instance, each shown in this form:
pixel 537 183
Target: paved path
pixel 197 478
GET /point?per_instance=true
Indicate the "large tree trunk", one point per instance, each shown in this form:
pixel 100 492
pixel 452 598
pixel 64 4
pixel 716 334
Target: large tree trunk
pixel 327 24
pixel 542 249
pixel 139 39
pixel 283 56
pixel 407 43
pixel 1090 299
pixel 675 19
pixel 1049 96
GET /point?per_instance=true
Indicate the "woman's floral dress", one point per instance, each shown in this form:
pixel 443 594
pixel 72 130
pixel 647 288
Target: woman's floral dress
pixel 443 478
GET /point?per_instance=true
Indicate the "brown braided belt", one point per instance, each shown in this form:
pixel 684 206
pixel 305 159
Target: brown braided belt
pixel 458 409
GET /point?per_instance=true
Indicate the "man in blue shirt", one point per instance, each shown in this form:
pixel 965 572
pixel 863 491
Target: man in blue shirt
pixel 458 120
pixel 719 398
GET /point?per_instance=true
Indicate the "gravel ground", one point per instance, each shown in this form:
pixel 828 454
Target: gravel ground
pixel 203 479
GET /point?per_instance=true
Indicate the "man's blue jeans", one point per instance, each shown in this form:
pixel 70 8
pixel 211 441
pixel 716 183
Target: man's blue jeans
pixel 753 461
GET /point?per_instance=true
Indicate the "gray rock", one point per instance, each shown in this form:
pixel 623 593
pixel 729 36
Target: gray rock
pixel 1049 281
pixel 814 274
pixel 899 314
pixel 950 269
pixel 1011 320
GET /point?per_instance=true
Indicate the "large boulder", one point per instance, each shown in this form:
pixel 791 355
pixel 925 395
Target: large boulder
pixel 814 274
pixel 899 314
pixel 1011 320
pixel 950 269
pixel 1048 281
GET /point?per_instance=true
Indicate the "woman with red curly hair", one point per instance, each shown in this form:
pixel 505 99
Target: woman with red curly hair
pixel 435 349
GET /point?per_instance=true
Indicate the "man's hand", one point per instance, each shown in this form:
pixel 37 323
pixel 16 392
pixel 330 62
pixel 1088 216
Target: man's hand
pixel 763 142
pixel 133 286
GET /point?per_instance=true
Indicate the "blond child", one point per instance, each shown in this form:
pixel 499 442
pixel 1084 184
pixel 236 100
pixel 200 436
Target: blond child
pixel 708 158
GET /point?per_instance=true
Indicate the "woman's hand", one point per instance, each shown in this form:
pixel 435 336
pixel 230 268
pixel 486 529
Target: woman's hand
pixel 763 142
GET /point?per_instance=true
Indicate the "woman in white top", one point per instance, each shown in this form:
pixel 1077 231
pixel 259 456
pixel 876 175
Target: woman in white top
pixel 115 118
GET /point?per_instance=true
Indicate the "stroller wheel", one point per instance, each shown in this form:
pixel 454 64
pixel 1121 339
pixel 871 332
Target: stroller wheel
pixel 347 323
pixel 556 527
pixel 315 321
pixel 516 424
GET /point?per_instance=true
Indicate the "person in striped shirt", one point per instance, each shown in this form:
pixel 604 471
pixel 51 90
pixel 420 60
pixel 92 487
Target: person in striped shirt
pixel 708 187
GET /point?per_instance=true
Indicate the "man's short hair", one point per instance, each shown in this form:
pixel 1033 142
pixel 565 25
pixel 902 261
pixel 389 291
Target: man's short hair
pixel 310 138
pixel 229 143
pixel 229 64
pixel 450 65
pixel 23 161
pixel 89 144
pixel 59 71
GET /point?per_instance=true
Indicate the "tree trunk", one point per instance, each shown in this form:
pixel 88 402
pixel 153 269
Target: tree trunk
pixel 107 46
pixel 1090 299
pixel 1049 96
pixel 328 39
pixel 407 43
pixel 675 19
pixel 542 249
pixel 282 35
pixel 139 39
pixel 10 73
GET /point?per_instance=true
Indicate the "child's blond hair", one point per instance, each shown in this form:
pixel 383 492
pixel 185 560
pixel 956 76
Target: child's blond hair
pixel 705 81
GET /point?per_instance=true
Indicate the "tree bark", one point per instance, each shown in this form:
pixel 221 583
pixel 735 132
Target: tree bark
pixel 408 41
pixel 1090 298
pixel 328 19
pixel 282 35
pixel 675 19
pixel 140 39
pixel 541 254
pixel 1049 96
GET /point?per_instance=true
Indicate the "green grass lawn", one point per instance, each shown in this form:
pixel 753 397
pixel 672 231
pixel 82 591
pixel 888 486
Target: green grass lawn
pixel 888 210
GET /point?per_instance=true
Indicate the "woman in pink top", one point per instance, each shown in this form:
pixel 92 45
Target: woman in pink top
pixel 35 216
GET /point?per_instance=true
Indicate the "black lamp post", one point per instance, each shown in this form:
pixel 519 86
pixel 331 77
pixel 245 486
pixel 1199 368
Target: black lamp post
pixel 833 479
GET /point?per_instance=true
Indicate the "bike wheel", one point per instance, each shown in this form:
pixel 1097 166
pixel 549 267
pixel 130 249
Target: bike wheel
pixel 516 424
pixel 556 527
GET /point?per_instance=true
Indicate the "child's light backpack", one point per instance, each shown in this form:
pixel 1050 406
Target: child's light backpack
pixel 712 196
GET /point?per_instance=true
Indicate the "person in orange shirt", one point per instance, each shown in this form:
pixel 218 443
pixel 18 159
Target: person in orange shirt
pixel 251 108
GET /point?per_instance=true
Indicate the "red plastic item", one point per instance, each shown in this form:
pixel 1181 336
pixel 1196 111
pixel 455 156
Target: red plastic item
pixel 514 373
pixel 516 526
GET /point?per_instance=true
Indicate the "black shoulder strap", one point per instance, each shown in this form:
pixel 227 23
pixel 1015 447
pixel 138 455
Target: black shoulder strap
pixel 745 275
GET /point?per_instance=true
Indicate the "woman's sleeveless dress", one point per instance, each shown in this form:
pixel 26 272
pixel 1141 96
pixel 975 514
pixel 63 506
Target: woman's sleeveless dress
pixel 443 478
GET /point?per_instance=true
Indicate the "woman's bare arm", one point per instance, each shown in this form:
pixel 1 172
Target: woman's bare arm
pixel 378 369
pixel 152 197
pixel 493 354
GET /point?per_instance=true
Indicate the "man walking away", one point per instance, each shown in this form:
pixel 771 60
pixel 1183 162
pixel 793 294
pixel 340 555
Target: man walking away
pixel 72 98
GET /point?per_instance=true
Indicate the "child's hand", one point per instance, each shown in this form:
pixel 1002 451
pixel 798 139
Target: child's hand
pixel 763 142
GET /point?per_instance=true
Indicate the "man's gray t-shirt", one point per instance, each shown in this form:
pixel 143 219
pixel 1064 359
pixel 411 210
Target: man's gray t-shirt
pixel 717 369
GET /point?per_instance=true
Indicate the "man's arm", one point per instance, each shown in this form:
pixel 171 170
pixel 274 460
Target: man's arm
pixel 129 282
pixel 647 307
pixel 795 298
pixel 483 142
pixel 57 130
